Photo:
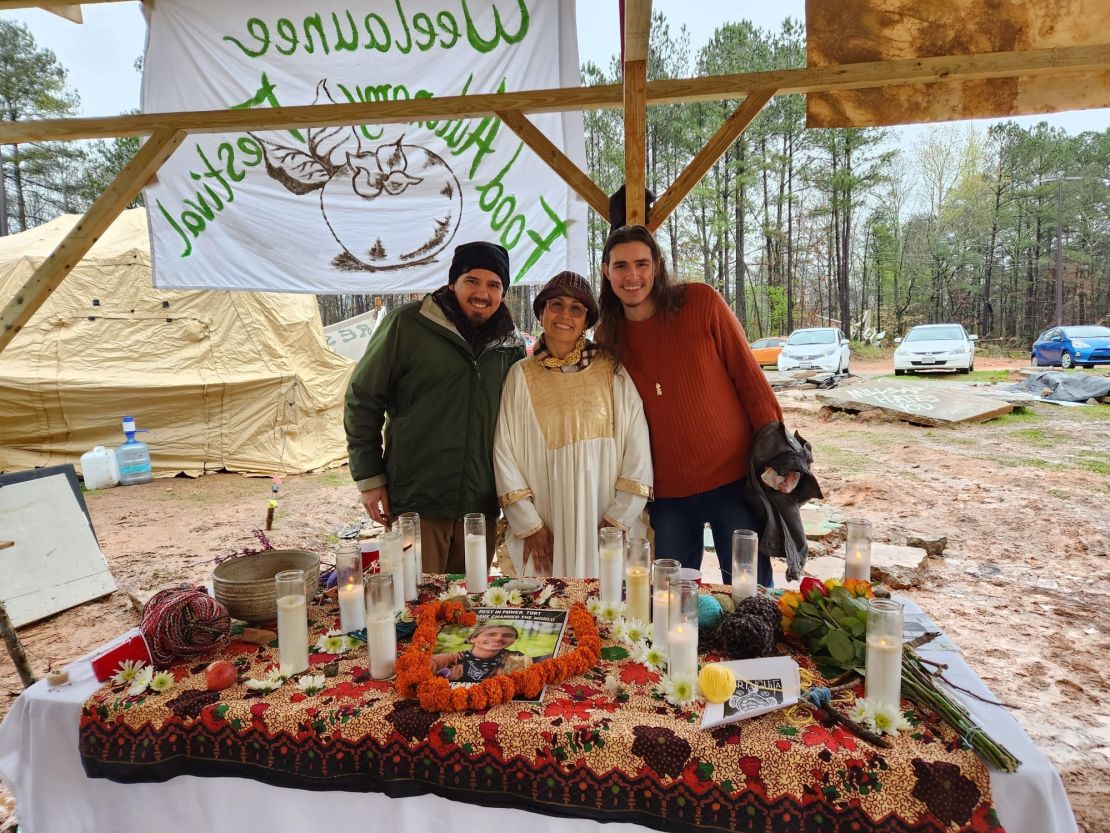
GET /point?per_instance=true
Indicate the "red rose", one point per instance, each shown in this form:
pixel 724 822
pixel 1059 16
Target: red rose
pixel 811 586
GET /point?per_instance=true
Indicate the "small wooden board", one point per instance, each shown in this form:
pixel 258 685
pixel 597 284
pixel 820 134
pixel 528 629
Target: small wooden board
pixel 922 403
pixel 55 563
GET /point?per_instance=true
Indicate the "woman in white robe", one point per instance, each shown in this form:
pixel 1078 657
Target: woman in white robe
pixel 571 453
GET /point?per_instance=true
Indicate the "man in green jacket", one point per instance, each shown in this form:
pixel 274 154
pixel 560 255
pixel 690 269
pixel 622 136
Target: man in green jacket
pixel 432 376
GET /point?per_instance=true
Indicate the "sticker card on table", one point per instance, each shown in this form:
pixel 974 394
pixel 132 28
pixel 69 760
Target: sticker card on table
pixel 762 685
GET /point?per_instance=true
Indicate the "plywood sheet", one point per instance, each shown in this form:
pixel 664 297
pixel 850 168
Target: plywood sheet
pixel 56 563
pixel 923 403
pixel 854 31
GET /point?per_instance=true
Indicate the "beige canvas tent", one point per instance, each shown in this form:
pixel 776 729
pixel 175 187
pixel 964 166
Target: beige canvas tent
pixel 222 380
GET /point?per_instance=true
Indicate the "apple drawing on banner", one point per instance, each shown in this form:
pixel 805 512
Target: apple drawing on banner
pixel 361 195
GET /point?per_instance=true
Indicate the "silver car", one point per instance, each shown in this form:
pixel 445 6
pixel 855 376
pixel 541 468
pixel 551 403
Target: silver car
pixel 816 348
pixel 935 347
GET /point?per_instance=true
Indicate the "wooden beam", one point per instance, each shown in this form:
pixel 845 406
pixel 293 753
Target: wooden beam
pixel 8 5
pixel 71 13
pixel 1058 60
pixel 635 141
pixel 558 161
pixel 637 32
pixel 705 158
pixel 52 271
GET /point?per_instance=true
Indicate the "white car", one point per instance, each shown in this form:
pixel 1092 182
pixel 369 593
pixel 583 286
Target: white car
pixel 935 347
pixel 816 348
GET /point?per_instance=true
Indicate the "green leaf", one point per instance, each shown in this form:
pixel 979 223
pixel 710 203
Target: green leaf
pixel 614 652
pixel 803 627
pixel 705 771
pixel 809 609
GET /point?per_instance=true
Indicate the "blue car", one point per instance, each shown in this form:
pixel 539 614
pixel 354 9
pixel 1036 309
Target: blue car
pixel 1072 346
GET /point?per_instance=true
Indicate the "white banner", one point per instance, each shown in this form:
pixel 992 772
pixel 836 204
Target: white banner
pixel 365 208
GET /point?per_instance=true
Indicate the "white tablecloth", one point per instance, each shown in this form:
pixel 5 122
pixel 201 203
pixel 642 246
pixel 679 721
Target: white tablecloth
pixel 40 764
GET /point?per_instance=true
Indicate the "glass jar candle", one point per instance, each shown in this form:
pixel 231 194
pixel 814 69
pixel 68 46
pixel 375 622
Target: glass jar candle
pixel 474 545
pixel 682 633
pixel 413 558
pixel 883 663
pixel 637 581
pixel 610 551
pixel 292 622
pixel 381 629
pixel 745 558
pixel 857 549
pixel 348 582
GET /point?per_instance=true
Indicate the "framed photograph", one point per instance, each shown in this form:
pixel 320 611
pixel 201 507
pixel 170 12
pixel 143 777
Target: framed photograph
pixel 503 640
pixel 762 685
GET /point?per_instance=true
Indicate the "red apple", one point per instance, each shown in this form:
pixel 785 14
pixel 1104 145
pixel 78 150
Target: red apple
pixel 219 675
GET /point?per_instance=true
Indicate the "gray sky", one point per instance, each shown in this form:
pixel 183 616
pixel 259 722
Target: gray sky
pixel 100 54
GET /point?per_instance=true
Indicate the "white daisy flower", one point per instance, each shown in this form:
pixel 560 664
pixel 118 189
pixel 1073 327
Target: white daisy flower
pixel 454 590
pixel 162 681
pixel 593 605
pixel 405 616
pixel 515 599
pixel 312 683
pixel 333 642
pixel 495 597
pixel 271 682
pixel 655 659
pixel 639 652
pixel 127 671
pixel 634 630
pixel 889 720
pixel 680 691
pixel 611 611
pixel 619 632
pixel 863 713
pixel 545 594
pixel 141 680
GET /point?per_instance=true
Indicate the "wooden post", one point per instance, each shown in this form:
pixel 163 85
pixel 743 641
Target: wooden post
pixel 637 29
pixel 11 639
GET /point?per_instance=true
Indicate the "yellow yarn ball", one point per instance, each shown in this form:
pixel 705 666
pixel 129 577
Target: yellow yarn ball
pixel 717 682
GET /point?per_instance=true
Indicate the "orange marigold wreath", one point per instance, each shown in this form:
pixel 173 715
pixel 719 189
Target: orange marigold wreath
pixel 435 694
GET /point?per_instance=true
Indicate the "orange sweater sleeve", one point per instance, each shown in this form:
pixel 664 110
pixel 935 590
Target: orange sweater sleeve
pixel 759 401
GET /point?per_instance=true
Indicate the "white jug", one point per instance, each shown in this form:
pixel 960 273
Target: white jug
pixel 100 468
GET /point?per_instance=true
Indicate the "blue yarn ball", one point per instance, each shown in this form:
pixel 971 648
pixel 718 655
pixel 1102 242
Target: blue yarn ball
pixel 709 612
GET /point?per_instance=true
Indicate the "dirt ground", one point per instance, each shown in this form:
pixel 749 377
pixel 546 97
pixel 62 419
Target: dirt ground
pixel 1022 587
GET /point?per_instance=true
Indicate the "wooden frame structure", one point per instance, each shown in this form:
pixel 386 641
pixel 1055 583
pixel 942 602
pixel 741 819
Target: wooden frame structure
pixel 168 130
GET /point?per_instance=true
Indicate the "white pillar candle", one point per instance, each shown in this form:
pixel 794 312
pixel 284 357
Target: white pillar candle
pixel 611 557
pixel 352 608
pixel 292 622
pixel 411 560
pixel 682 651
pixel 743 585
pixel 659 618
pixel 477 574
pixel 857 549
pixel 391 560
pixel 381 641
pixel 637 592
pixel 884 671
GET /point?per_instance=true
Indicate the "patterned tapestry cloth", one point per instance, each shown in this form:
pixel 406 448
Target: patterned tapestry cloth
pixel 611 750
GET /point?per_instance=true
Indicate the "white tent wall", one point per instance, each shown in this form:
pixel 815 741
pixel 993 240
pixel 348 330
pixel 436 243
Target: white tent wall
pixel 223 380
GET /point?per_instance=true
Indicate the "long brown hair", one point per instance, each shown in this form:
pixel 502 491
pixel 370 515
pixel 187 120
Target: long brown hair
pixel 667 296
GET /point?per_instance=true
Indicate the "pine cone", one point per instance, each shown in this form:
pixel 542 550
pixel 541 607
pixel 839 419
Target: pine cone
pixel 745 637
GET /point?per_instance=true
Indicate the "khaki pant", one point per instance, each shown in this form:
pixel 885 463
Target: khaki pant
pixel 442 545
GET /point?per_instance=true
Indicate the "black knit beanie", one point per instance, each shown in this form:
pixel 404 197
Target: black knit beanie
pixel 480 255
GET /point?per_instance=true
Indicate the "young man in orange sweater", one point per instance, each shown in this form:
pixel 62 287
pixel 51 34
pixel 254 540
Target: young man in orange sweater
pixel 705 396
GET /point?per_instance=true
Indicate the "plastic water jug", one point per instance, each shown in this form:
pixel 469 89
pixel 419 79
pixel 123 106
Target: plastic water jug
pixel 100 468
pixel 133 457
